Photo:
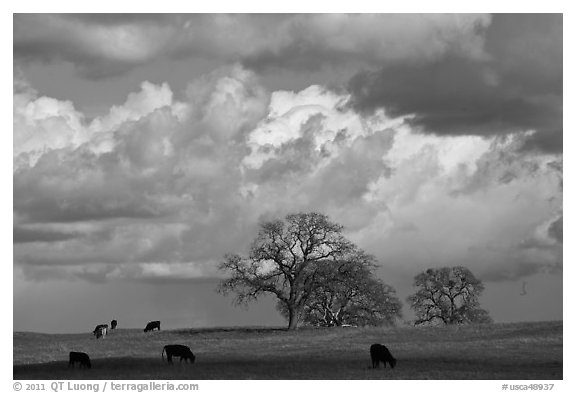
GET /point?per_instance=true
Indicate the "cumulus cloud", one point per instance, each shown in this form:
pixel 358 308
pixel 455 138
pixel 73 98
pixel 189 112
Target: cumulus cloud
pixel 467 200
pixel 517 86
pixel 160 189
pixel 137 105
pixel 150 170
pixel 104 45
pixel 43 123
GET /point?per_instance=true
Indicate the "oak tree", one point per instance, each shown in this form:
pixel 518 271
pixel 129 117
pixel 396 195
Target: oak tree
pixel 286 259
pixel 448 295
pixel 349 293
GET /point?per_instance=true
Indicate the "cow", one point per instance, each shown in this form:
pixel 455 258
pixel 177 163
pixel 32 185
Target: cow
pixel 379 353
pixel 98 327
pixel 113 324
pixel 181 351
pixel 151 326
pixel 79 357
pixel 101 331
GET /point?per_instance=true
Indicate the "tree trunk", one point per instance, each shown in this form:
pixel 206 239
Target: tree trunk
pixel 292 318
pixel 337 320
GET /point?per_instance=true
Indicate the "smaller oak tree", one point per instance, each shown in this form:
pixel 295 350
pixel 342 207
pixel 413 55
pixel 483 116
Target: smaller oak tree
pixel 349 293
pixel 448 295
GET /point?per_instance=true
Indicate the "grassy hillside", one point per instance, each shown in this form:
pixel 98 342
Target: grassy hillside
pixel 499 351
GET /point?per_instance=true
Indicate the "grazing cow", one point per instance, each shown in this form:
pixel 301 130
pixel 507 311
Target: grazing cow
pixel 151 326
pixel 113 324
pixel 79 357
pixel 181 351
pixel 101 332
pixel 379 353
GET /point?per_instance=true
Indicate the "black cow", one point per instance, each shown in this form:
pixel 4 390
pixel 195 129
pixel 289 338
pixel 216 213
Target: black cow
pixel 113 324
pixel 181 351
pixel 151 326
pixel 79 357
pixel 379 353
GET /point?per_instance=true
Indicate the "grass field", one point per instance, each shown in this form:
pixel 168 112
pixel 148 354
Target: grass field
pixel 498 351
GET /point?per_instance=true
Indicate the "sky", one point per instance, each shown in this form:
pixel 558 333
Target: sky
pixel 146 147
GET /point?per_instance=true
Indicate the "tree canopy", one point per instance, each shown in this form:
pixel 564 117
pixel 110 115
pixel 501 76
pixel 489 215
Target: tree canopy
pixel 348 293
pixel 448 295
pixel 292 259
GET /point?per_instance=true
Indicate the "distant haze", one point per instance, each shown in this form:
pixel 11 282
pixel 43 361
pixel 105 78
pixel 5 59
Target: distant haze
pixel 146 147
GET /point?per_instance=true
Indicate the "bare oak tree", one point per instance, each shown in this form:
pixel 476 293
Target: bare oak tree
pixel 448 295
pixel 286 259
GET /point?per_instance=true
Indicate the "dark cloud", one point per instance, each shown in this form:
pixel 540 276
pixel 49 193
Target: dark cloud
pixel 546 142
pixel 34 235
pixel 44 273
pixel 556 230
pixel 299 56
pixel 517 87
pixel 312 42
pixel 173 280
pixel 69 260
pixel 88 66
pixel 99 46
pixel 73 186
pixel 517 271
pixel 119 19
pixel 103 45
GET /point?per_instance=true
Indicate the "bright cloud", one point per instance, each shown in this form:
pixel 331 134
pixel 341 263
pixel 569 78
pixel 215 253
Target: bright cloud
pixel 161 189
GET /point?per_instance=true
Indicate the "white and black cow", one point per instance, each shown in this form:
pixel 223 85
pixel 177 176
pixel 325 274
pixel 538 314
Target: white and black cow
pixel 98 327
pixel 101 331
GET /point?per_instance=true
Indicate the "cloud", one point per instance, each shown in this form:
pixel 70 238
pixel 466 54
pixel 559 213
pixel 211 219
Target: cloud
pixel 227 102
pixel 154 273
pixel 312 41
pixel 517 86
pixel 105 45
pixel 450 191
pixel 43 123
pixel 555 230
pixel 159 189
pixel 98 49
pixel 147 169
pixel 136 106
pixel 31 235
